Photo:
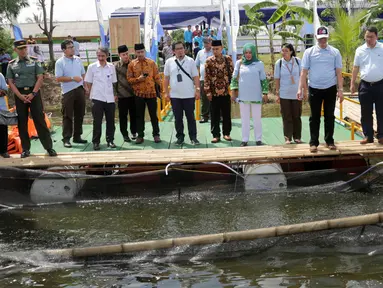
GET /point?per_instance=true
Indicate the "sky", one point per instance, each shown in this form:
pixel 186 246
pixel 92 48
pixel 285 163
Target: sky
pixel 76 10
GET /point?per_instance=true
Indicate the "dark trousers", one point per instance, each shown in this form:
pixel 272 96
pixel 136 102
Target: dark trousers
pixel 99 108
pixel 316 98
pixel 220 106
pixel 73 106
pixel 205 103
pixel 291 111
pixel 36 107
pixel 141 104
pixel 127 106
pixel 368 96
pixel 3 139
pixel 189 46
pixel 4 67
pixel 179 107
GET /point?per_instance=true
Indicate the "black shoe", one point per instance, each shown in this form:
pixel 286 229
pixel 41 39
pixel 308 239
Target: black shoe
pixel 112 145
pixel 243 144
pixel 80 141
pixel 5 155
pixel 96 146
pixel 127 139
pixel 179 142
pixel 203 121
pixel 67 144
pixel 259 143
pixel 52 152
pixel 195 142
pixel 25 154
pixel 134 136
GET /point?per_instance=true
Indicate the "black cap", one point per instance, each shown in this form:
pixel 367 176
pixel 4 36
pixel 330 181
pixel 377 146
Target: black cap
pixel 122 49
pixel 139 46
pixel 20 44
pixel 216 43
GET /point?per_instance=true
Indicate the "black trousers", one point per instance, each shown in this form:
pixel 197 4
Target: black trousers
pixel 368 96
pixel 291 111
pixel 3 139
pixel 316 98
pixel 189 46
pixel 141 104
pixel 99 108
pixel 220 106
pixel 73 107
pixel 127 106
pixel 4 67
pixel 205 103
pixel 36 107
pixel 180 106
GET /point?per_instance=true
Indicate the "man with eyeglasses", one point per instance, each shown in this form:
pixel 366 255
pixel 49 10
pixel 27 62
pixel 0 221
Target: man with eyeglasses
pixel 70 73
pixel 25 78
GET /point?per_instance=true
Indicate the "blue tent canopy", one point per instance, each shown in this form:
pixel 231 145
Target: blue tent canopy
pixel 180 17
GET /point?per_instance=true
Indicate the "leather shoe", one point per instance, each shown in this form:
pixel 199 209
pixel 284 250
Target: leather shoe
pixel 96 146
pixel 243 144
pixel 215 140
pixel 157 139
pixel 380 140
pixel 67 144
pixel 52 152
pixel 112 145
pixel 134 136
pixel 139 140
pixel 127 139
pixel 366 141
pixel 227 137
pixel 25 154
pixel 80 141
pixel 5 155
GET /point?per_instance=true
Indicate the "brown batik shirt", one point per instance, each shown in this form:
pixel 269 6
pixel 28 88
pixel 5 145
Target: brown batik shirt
pixel 144 89
pixel 218 72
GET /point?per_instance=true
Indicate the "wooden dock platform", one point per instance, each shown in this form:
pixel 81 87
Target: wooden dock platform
pixel 261 154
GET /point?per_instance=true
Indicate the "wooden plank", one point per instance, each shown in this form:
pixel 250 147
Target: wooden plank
pixel 145 157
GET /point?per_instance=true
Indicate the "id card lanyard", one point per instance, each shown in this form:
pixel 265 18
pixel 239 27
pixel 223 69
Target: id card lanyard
pixel 291 70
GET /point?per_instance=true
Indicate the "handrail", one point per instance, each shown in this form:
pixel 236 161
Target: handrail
pixel 341 119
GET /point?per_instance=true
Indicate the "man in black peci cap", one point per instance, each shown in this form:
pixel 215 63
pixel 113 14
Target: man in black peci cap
pixel 25 77
pixel 125 94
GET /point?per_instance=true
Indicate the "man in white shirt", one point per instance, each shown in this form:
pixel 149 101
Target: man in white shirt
pixel 369 60
pixel 76 47
pixel 182 75
pixel 100 78
pixel 200 62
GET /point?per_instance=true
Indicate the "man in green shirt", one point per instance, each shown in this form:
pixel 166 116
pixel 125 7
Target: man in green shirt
pixel 25 77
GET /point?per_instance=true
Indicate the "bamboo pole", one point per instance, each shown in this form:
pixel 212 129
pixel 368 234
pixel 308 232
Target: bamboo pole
pixel 253 234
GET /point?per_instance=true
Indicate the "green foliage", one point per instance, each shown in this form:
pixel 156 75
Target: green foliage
pixel 5 41
pixel 346 34
pixel 11 8
pixel 178 35
pixel 371 17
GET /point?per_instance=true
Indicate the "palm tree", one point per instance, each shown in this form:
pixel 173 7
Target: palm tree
pixel 259 25
pixel 285 10
pixel 372 15
pixel 346 34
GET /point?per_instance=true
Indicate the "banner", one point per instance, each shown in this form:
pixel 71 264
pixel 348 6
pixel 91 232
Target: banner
pixel 157 32
pixel 101 24
pixel 221 16
pixel 234 27
pixel 148 25
pixel 226 8
pixel 16 29
pixel 316 21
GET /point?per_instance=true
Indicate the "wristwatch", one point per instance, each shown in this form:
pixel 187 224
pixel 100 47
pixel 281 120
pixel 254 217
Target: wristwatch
pixel 34 94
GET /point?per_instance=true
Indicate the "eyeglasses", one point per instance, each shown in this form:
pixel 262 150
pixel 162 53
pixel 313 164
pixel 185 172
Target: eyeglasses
pixel 69 47
pixel 22 48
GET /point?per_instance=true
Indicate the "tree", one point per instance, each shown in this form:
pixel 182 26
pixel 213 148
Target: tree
pixel 257 24
pixel 285 10
pixel 11 8
pixel 6 41
pixel 346 34
pixel 36 18
pixel 177 35
pixel 371 17
pixel 47 26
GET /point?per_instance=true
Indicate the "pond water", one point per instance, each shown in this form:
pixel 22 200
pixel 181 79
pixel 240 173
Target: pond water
pixel 339 258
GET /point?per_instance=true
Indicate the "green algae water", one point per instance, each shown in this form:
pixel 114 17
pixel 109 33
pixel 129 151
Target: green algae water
pixel 338 258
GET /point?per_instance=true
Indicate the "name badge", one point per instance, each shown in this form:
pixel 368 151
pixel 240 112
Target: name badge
pixel 30 65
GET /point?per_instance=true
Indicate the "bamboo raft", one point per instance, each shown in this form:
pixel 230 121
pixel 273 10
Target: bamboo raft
pixel 260 154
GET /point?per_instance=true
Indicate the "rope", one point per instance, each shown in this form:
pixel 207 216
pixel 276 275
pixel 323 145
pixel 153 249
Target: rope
pixel 361 174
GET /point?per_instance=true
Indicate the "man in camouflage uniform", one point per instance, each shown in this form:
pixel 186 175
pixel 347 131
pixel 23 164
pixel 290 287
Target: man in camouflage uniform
pixel 25 77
